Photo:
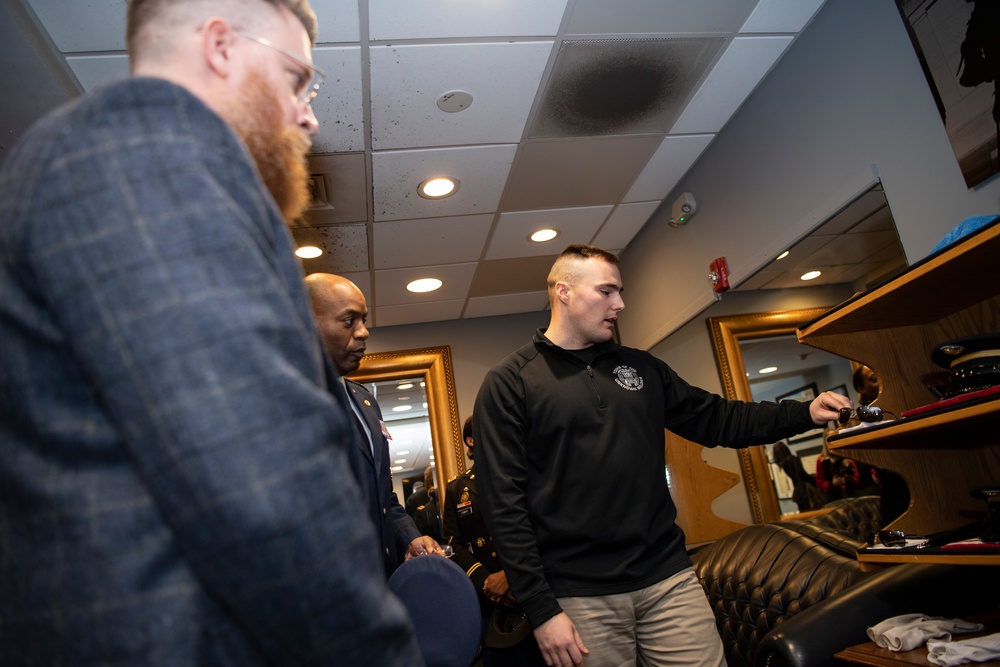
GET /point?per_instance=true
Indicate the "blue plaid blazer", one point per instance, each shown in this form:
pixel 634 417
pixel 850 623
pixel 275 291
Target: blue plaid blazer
pixel 174 479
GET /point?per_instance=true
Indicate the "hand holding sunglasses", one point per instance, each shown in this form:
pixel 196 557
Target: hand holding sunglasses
pixel 868 414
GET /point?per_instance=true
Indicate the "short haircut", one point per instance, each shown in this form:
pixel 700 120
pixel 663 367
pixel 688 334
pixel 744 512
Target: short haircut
pixel 565 267
pixel 149 18
pixel 859 377
pixel 467 429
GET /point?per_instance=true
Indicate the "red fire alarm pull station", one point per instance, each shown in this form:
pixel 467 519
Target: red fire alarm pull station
pixel 718 275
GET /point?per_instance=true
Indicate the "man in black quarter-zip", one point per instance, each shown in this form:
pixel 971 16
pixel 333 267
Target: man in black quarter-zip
pixel 569 444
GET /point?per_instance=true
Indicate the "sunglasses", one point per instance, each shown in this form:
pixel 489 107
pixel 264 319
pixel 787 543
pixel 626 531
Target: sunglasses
pixel 890 538
pixel 870 414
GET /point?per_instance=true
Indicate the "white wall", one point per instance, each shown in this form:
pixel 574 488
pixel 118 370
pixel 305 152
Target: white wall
pixel 689 352
pixel 476 345
pixel 847 101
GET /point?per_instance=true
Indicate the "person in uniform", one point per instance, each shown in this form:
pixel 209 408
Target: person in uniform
pixel 507 636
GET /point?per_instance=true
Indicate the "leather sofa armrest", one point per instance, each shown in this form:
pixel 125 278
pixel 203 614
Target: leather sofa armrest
pixel 811 638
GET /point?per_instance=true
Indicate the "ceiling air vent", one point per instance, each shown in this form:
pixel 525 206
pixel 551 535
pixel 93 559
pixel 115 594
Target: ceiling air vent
pixel 317 193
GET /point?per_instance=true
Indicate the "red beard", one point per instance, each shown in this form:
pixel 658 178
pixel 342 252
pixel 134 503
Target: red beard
pixel 279 150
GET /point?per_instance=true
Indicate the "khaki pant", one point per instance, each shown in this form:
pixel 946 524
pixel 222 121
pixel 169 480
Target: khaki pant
pixel 669 623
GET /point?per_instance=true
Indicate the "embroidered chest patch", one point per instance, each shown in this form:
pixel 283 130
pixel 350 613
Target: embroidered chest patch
pixel 628 378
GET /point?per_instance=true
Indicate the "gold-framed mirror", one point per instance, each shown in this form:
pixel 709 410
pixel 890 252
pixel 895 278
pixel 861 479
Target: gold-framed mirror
pixel 433 366
pixel 727 332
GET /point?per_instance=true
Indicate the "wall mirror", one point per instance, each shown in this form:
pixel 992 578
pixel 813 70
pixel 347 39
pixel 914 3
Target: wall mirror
pixel 428 430
pixel 858 246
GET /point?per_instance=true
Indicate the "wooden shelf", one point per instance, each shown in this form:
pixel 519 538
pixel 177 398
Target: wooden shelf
pixel 871 654
pixel 893 329
pixel 910 432
pixel 954 559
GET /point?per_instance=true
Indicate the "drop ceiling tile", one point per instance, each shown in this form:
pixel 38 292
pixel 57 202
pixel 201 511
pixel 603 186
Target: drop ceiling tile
pixel 579 172
pixel 344 180
pixel 621 86
pixel 390 284
pixel 435 311
pixel 506 304
pixel 338 106
pixel 338 20
pixel 801 251
pixel 345 247
pixel 82 26
pixel 667 166
pixel 781 15
pixel 406 82
pixel 481 170
pixel 391 19
pixel 734 77
pixel 92 71
pixel 575 225
pixel 595 17
pixel 363 280
pixel 857 217
pixel 511 276
pixel 434 241
pixel 760 279
pixel 861 247
pixel 831 275
pixel 879 221
pixel 624 223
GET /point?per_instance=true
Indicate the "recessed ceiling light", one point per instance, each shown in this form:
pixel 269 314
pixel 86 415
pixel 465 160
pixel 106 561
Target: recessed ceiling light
pixel 543 235
pixel 308 252
pixel 405 385
pixel 782 255
pixel 810 275
pixel 402 408
pixel 403 452
pixel 424 285
pixel 769 369
pixel 397 468
pixel 438 188
pixel 400 461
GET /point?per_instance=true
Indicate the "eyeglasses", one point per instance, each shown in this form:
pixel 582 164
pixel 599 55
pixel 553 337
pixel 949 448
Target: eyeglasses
pixel 863 413
pixel 307 88
pixel 891 538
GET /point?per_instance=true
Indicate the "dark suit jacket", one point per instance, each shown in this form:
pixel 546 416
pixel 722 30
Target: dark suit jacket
pixel 172 451
pixel 372 473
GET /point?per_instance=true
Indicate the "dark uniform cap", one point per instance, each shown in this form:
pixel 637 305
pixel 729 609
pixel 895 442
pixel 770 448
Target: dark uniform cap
pixel 974 362
pixel 508 626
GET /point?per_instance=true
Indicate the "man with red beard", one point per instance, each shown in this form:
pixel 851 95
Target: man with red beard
pixel 172 439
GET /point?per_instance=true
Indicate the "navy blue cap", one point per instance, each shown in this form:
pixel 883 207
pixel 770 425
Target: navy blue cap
pixel 444 608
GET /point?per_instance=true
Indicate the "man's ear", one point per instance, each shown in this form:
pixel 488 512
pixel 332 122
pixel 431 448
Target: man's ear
pixel 217 44
pixel 469 441
pixel 562 291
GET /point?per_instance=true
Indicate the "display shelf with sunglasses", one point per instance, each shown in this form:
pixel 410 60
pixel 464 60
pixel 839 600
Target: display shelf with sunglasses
pixel 943 445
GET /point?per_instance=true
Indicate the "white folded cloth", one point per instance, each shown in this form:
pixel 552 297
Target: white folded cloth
pixel 977 649
pixel 907 632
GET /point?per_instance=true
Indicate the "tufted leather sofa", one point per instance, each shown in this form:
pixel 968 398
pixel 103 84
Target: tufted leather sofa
pixel 782 599
pixel 812 638
pixel 762 575
pixel 842 525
